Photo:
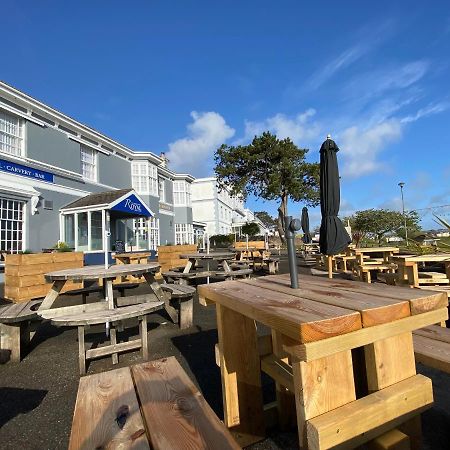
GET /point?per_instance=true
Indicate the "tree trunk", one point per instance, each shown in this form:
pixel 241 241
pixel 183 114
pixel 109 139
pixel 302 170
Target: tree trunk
pixel 282 212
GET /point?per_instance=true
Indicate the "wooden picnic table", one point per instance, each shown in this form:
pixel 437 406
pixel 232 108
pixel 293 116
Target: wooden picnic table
pixel 386 252
pixel 132 257
pixel 314 330
pixel 83 316
pixel 194 258
pixel 408 269
pixel 108 275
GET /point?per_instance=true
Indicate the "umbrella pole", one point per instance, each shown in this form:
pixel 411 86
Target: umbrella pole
pixel 290 227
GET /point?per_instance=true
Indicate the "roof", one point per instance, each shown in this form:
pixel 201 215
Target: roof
pixel 98 198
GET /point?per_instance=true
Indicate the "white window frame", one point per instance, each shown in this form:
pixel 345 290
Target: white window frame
pixel 181 193
pixel 23 221
pixel 9 134
pixel 184 233
pixel 162 189
pixel 144 178
pixel 84 150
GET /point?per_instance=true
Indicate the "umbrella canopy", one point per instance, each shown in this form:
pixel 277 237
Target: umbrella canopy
pixel 305 226
pixel 333 237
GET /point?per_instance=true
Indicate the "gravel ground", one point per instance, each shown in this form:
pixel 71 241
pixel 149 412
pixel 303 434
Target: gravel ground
pixel 37 396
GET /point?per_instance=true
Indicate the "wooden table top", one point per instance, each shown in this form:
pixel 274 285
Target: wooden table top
pixel 98 272
pixel 212 255
pixel 375 249
pixel 438 257
pixel 133 255
pixel 320 308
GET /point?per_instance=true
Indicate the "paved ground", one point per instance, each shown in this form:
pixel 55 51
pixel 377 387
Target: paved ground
pixel 37 396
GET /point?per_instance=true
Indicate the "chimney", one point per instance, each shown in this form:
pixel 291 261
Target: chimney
pixel 164 159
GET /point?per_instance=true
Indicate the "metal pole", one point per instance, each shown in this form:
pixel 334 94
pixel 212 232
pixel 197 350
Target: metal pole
pixel 401 184
pixel 290 227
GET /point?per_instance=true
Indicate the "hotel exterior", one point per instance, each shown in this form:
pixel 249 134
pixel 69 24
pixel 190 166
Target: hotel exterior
pixel 48 161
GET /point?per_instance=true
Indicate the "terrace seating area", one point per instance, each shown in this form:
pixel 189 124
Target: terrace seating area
pixel 81 319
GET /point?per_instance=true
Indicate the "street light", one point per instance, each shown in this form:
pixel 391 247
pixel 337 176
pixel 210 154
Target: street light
pixel 402 184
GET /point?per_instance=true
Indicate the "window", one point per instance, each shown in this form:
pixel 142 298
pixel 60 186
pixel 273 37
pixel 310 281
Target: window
pixel 89 163
pixel 184 233
pixel 144 177
pixel 181 193
pixel 96 231
pixel 162 190
pixel 11 225
pixel 69 230
pixel 11 134
pixel 82 232
pixel 146 233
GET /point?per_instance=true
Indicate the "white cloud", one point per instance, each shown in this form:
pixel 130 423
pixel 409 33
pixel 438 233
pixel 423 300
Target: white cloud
pixel 205 134
pixel 428 110
pixel 361 147
pixel 299 127
pixel 368 38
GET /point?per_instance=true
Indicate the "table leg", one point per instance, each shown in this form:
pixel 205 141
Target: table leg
pixel 241 376
pixel 144 337
pixel 81 351
pixel 156 288
pixel 225 266
pixel 413 275
pixel 52 294
pixel 285 399
pixel 321 386
pixel 188 266
pixel 388 362
pixel 113 335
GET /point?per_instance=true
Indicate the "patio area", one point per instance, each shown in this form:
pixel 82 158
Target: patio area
pixel 38 395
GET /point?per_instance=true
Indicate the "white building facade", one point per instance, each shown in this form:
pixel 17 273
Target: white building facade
pixel 218 209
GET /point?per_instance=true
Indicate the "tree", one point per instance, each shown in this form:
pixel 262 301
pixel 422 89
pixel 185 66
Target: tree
pixel 271 169
pixel 379 222
pixel 250 229
pixel 266 218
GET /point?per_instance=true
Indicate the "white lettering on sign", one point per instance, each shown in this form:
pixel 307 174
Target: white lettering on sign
pixel 133 206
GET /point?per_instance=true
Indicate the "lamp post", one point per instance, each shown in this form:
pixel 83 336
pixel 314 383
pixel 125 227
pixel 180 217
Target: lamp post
pixel 402 184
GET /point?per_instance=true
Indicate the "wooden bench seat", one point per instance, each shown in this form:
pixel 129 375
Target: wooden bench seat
pixel 83 316
pixel 173 414
pixel 432 347
pixel 16 326
pixel 84 292
pixel 231 275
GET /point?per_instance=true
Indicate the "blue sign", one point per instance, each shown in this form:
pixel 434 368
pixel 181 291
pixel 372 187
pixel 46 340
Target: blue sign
pixel 18 169
pixel 132 205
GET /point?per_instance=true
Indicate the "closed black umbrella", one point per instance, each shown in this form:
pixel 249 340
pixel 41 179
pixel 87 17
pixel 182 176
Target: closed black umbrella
pixel 305 226
pixel 333 237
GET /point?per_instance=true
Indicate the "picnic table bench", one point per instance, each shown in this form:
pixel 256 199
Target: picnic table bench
pixel 172 276
pixel 95 288
pixel 83 316
pixel 432 347
pixel 338 401
pixel 173 414
pixel 15 326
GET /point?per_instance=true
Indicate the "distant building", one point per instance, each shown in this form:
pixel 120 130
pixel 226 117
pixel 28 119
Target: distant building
pixel 219 210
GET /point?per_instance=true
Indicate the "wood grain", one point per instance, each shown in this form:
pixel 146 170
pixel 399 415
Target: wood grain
pixel 302 319
pixel 420 300
pixel 241 376
pixel 358 418
pixel 101 399
pixel 374 310
pixel 176 414
pixel 432 353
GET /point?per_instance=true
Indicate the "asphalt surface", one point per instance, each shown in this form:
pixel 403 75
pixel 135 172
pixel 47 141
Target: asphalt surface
pixel 37 395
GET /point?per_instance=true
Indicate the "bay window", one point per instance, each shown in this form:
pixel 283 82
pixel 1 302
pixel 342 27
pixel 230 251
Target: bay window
pixel 184 233
pixel 181 193
pixel 144 177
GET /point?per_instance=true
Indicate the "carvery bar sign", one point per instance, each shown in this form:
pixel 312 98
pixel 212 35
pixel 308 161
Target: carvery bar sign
pixel 18 169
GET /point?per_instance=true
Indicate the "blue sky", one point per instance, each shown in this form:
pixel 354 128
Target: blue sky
pixel 185 76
